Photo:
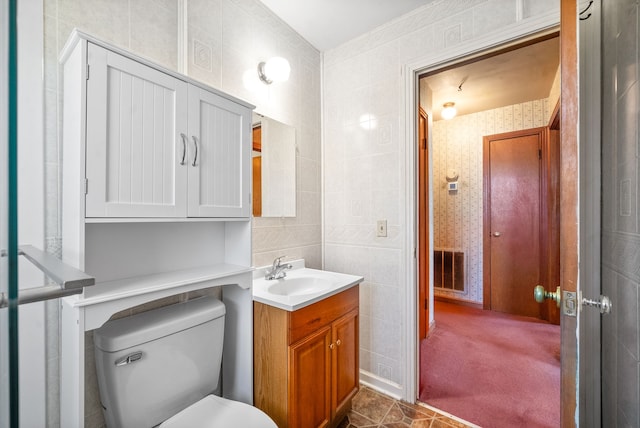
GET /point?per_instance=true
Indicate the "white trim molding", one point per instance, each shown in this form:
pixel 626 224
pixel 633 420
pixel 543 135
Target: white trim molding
pixel 380 384
pixel 520 31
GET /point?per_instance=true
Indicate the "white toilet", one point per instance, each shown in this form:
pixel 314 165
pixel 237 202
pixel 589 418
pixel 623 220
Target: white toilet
pixel 162 367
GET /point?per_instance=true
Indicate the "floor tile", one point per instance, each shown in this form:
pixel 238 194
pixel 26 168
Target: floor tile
pixel 372 404
pixel 371 409
pixel 354 419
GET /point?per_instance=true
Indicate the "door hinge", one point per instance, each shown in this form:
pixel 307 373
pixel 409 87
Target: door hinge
pixel 424 144
pixel 426 304
pixel 87 71
pixel 86 186
pixel 539 153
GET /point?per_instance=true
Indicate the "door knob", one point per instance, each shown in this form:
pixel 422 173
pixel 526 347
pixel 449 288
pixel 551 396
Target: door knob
pixel 496 234
pixel 539 294
pixel 603 303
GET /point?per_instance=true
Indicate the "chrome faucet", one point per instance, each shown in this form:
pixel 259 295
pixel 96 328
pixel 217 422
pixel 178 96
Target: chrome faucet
pixel 277 270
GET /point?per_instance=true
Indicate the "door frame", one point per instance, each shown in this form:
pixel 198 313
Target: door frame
pixel 33 364
pixel 590 98
pixel 566 16
pixel 424 247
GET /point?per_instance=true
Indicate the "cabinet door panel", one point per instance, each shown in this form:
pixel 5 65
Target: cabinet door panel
pixel 345 361
pixel 310 381
pixel 219 135
pixel 135 115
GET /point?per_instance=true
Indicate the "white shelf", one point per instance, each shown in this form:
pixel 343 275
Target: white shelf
pixel 138 248
pixel 98 220
pixel 107 298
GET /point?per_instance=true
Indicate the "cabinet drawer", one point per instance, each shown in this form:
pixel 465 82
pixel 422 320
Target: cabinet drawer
pixel 307 320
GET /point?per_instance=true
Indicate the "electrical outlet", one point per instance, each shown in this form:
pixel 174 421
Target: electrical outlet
pixel 381 228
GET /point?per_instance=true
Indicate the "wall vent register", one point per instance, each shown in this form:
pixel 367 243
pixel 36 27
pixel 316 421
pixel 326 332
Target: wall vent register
pixel 448 270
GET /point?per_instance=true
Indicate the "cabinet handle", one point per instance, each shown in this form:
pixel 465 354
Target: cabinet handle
pixel 184 148
pixel 338 342
pixel 195 144
pixel 331 346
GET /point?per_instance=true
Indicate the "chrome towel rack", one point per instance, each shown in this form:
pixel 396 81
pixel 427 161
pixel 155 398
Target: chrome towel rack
pixel 69 280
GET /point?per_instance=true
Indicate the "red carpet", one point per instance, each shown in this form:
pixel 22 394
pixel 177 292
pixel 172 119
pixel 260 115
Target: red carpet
pixel 492 369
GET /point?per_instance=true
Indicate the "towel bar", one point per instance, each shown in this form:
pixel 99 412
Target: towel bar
pixel 69 280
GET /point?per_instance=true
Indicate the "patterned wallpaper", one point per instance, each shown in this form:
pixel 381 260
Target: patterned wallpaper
pixel 457 216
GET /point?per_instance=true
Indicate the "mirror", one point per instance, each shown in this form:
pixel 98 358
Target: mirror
pixel 274 168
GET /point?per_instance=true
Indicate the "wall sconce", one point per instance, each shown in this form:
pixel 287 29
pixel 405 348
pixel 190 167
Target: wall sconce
pixel 277 69
pixel 449 111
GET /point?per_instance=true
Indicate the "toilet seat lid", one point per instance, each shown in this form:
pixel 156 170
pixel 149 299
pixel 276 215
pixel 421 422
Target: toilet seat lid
pixel 215 412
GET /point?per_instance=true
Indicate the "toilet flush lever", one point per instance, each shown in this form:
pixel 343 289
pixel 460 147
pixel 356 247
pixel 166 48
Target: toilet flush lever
pixel 131 358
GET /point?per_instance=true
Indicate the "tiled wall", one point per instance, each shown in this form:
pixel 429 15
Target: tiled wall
pixel 457 216
pixel 620 226
pixel 364 166
pixel 222 40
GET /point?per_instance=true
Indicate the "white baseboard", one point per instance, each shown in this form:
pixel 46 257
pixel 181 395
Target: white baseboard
pixel 382 385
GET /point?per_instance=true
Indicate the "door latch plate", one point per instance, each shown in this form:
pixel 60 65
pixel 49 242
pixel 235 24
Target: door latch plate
pixel 569 303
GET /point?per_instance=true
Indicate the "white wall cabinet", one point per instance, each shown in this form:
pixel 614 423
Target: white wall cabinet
pixel 219 170
pixel 159 146
pixel 156 202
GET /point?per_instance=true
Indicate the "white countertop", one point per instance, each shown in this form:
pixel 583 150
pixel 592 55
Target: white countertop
pixel 332 283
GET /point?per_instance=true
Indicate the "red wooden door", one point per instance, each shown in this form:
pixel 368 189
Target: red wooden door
pixel 512 220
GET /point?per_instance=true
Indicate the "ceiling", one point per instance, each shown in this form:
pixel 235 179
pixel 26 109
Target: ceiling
pixel 514 77
pixel 329 23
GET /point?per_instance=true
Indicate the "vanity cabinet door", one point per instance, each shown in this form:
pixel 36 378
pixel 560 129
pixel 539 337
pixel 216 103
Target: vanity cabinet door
pixel 135 115
pixel 316 349
pixel 344 363
pixel 310 380
pixel 219 156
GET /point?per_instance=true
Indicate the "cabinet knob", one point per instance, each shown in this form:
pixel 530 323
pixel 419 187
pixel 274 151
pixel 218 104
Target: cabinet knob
pixel 338 342
pixel 332 345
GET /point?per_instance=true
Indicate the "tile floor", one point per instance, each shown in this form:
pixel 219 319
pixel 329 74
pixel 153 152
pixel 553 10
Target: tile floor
pixel 372 409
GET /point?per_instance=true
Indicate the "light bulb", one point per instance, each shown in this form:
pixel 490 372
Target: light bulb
pixel 448 111
pixel 277 69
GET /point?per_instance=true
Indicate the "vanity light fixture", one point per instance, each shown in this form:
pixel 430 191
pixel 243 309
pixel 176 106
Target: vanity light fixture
pixel 277 69
pixel 449 110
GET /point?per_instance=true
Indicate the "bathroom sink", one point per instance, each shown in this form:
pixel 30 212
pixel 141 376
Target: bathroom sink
pixel 298 286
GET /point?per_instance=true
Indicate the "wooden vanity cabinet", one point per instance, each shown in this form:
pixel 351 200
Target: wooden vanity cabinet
pixel 306 369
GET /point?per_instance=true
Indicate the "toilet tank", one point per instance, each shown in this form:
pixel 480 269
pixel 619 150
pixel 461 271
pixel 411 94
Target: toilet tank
pixel 152 365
